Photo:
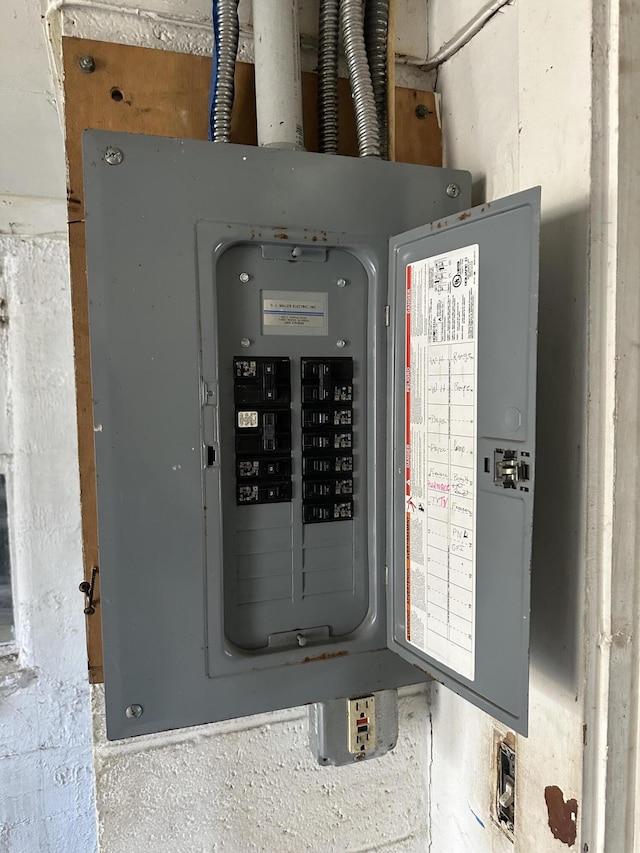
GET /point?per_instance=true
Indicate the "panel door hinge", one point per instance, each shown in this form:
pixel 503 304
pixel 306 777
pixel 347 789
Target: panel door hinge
pixel 387 315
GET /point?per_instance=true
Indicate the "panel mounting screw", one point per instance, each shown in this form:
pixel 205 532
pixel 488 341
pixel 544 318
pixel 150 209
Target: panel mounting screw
pixel 341 344
pixel 341 282
pixel 296 252
pixel 244 277
pixel 302 640
pixel 422 111
pixel 87 64
pixel 113 156
pixel 453 190
pixel 245 342
pixel 133 711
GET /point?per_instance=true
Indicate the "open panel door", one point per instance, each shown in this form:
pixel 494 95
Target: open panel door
pixel 464 305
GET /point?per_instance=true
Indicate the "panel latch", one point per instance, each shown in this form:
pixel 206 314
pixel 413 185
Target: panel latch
pixel 510 467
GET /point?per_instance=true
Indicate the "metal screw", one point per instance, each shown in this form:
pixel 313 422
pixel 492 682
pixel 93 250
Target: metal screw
pixel 133 711
pixel 87 64
pixel 453 190
pixel 113 156
pixel 245 342
pixel 302 641
pixel 296 252
pixel 244 277
pixel 341 282
pixel 359 757
pixel 341 344
pixel 422 111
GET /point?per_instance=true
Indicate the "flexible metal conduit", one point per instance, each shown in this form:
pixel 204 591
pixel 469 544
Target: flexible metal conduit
pixel 226 32
pixel 376 28
pixel 328 39
pixel 352 21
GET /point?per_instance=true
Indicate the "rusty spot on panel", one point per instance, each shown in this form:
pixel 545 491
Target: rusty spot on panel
pixel 563 815
pixel 464 216
pixel 281 235
pixel 326 656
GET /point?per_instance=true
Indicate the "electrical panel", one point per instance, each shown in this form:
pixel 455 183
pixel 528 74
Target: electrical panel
pixel 314 439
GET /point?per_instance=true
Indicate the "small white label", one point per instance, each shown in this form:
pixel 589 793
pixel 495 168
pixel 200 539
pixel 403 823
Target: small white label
pixel 441 406
pixel 294 313
pixel 247 420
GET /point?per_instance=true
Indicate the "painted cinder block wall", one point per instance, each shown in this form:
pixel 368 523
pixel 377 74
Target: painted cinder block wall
pixel 46 769
pixel 516 111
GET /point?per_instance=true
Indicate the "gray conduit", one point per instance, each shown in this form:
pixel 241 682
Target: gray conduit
pixel 376 28
pixel 328 38
pixel 228 32
pixel 352 21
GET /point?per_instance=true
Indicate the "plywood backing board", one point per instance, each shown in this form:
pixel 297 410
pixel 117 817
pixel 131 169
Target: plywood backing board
pixel 157 92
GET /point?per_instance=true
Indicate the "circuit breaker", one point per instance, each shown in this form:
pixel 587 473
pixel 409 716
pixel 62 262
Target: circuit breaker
pixel 314 439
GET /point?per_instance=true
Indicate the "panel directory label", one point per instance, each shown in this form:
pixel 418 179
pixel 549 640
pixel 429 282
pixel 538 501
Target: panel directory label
pixel 441 431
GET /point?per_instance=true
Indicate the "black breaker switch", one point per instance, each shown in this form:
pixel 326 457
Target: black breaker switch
pixel 327 439
pixel 262 396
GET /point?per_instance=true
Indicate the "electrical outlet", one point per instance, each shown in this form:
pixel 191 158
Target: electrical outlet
pixel 361 714
pixel 330 726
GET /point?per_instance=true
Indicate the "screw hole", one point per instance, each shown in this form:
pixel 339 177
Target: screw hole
pixel 116 94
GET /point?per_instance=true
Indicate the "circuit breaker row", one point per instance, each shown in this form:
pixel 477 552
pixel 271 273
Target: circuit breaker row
pixel 262 395
pixel 327 439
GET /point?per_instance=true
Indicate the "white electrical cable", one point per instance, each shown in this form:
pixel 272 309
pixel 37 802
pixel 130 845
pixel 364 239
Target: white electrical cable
pixel 462 37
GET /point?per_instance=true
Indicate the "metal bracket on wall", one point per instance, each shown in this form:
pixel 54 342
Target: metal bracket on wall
pixel 88 588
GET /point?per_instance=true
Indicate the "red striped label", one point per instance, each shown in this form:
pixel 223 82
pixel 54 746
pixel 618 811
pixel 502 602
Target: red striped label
pixel 407 447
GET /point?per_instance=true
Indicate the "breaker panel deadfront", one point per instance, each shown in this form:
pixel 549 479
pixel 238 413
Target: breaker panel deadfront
pixel 248 347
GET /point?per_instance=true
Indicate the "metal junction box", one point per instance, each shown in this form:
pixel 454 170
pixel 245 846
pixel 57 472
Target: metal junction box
pixel 314 439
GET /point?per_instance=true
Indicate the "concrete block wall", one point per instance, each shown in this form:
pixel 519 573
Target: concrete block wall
pixel 253 785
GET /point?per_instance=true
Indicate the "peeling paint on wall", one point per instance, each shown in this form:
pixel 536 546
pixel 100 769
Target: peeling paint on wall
pixel 563 815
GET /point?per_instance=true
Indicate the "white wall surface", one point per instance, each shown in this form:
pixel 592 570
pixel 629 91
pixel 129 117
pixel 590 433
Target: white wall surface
pixel 46 795
pixel 46 775
pixel 253 785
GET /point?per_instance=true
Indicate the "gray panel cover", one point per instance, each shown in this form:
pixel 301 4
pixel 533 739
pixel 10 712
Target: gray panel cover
pixel 155 225
pixel 506 233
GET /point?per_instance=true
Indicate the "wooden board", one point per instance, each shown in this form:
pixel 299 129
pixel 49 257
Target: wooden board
pixel 138 90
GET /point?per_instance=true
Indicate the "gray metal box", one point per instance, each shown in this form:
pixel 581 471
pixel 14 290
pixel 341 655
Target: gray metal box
pixel 210 268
